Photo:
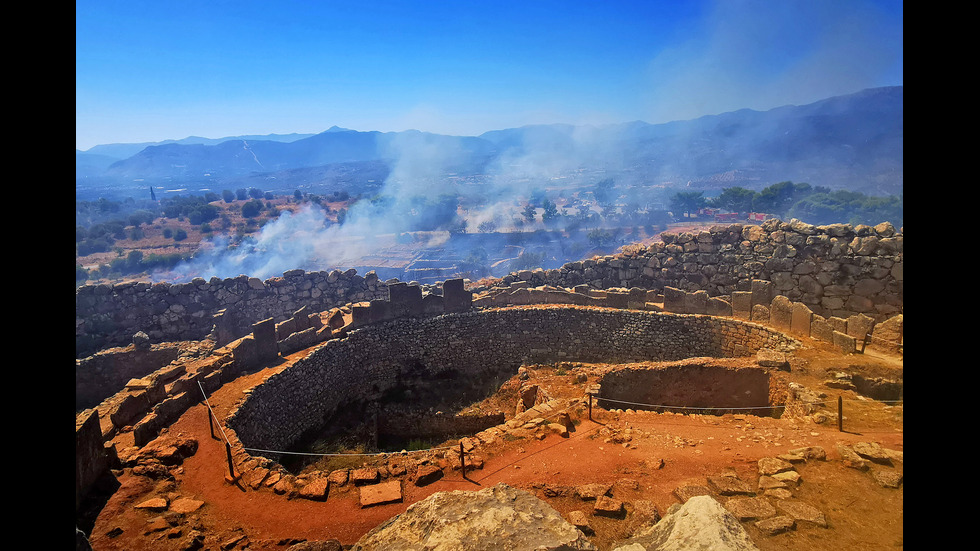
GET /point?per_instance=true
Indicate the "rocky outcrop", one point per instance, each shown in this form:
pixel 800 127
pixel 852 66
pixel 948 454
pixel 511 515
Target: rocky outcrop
pixel 700 523
pixel 486 519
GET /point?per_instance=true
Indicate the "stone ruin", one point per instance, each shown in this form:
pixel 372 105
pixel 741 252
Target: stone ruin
pixel 838 284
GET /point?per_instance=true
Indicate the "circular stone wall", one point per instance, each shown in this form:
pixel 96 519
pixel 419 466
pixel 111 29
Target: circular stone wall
pixel 375 359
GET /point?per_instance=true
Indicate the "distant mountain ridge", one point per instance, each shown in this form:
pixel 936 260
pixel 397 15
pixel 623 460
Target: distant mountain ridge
pixel 853 142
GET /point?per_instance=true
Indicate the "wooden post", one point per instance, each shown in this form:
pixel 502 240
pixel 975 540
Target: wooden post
pixel 462 459
pixel 231 465
pixel 840 414
pixel 590 406
pixel 865 340
pixel 211 423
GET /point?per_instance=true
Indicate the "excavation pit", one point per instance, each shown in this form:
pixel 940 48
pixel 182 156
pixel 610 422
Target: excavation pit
pixel 710 386
pixel 415 415
pixel 447 356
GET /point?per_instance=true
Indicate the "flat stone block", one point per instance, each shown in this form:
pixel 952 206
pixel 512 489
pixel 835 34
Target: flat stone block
pixel 377 494
pixel 750 508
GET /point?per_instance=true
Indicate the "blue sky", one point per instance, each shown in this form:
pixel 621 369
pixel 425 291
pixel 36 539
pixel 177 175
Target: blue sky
pixel 151 71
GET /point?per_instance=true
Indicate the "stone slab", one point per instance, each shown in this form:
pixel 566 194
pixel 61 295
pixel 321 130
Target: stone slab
pixel 377 494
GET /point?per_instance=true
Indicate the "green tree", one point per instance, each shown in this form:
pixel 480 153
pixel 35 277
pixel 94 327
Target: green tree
pixel 687 201
pixel 530 212
pixel 228 195
pixel 252 208
pixel 601 238
pixel 550 215
pixel 134 261
pixel 778 198
pixel 487 226
pixel 736 199
pixel 604 192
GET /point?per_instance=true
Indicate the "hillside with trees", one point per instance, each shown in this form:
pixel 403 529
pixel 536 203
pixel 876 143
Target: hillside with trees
pixel 786 200
pixel 115 239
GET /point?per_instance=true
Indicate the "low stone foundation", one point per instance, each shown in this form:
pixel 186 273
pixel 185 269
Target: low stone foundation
pixel 696 385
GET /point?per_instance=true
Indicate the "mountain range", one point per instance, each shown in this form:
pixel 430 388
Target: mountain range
pixel 850 142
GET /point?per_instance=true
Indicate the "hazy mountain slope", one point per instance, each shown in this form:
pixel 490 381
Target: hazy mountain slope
pixel 852 142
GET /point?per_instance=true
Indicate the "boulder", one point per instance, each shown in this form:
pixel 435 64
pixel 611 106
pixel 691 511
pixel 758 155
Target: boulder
pixel 365 475
pixel 592 491
pixel 580 520
pixel 499 517
pixel 427 474
pixel 316 489
pixel 873 452
pixel 606 506
pixel 700 523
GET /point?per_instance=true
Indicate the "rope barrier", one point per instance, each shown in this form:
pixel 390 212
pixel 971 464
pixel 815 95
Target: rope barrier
pixel 368 454
pixel 707 408
pixel 349 454
pixel 212 415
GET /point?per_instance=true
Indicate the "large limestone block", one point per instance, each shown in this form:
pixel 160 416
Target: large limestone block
pixel 701 523
pixel 499 517
pixel 377 494
pixel 781 313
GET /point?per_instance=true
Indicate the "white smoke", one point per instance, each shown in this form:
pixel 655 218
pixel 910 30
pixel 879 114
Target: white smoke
pixel 309 239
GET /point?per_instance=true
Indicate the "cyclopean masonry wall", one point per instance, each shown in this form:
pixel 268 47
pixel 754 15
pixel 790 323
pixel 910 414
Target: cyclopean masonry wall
pixel 109 315
pixel 368 362
pixel 836 270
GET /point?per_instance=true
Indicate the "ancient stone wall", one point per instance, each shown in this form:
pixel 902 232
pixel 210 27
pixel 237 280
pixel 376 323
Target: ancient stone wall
pixel 109 315
pixel 370 361
pixel 836 270
pixel 101 375
pixel 91 461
